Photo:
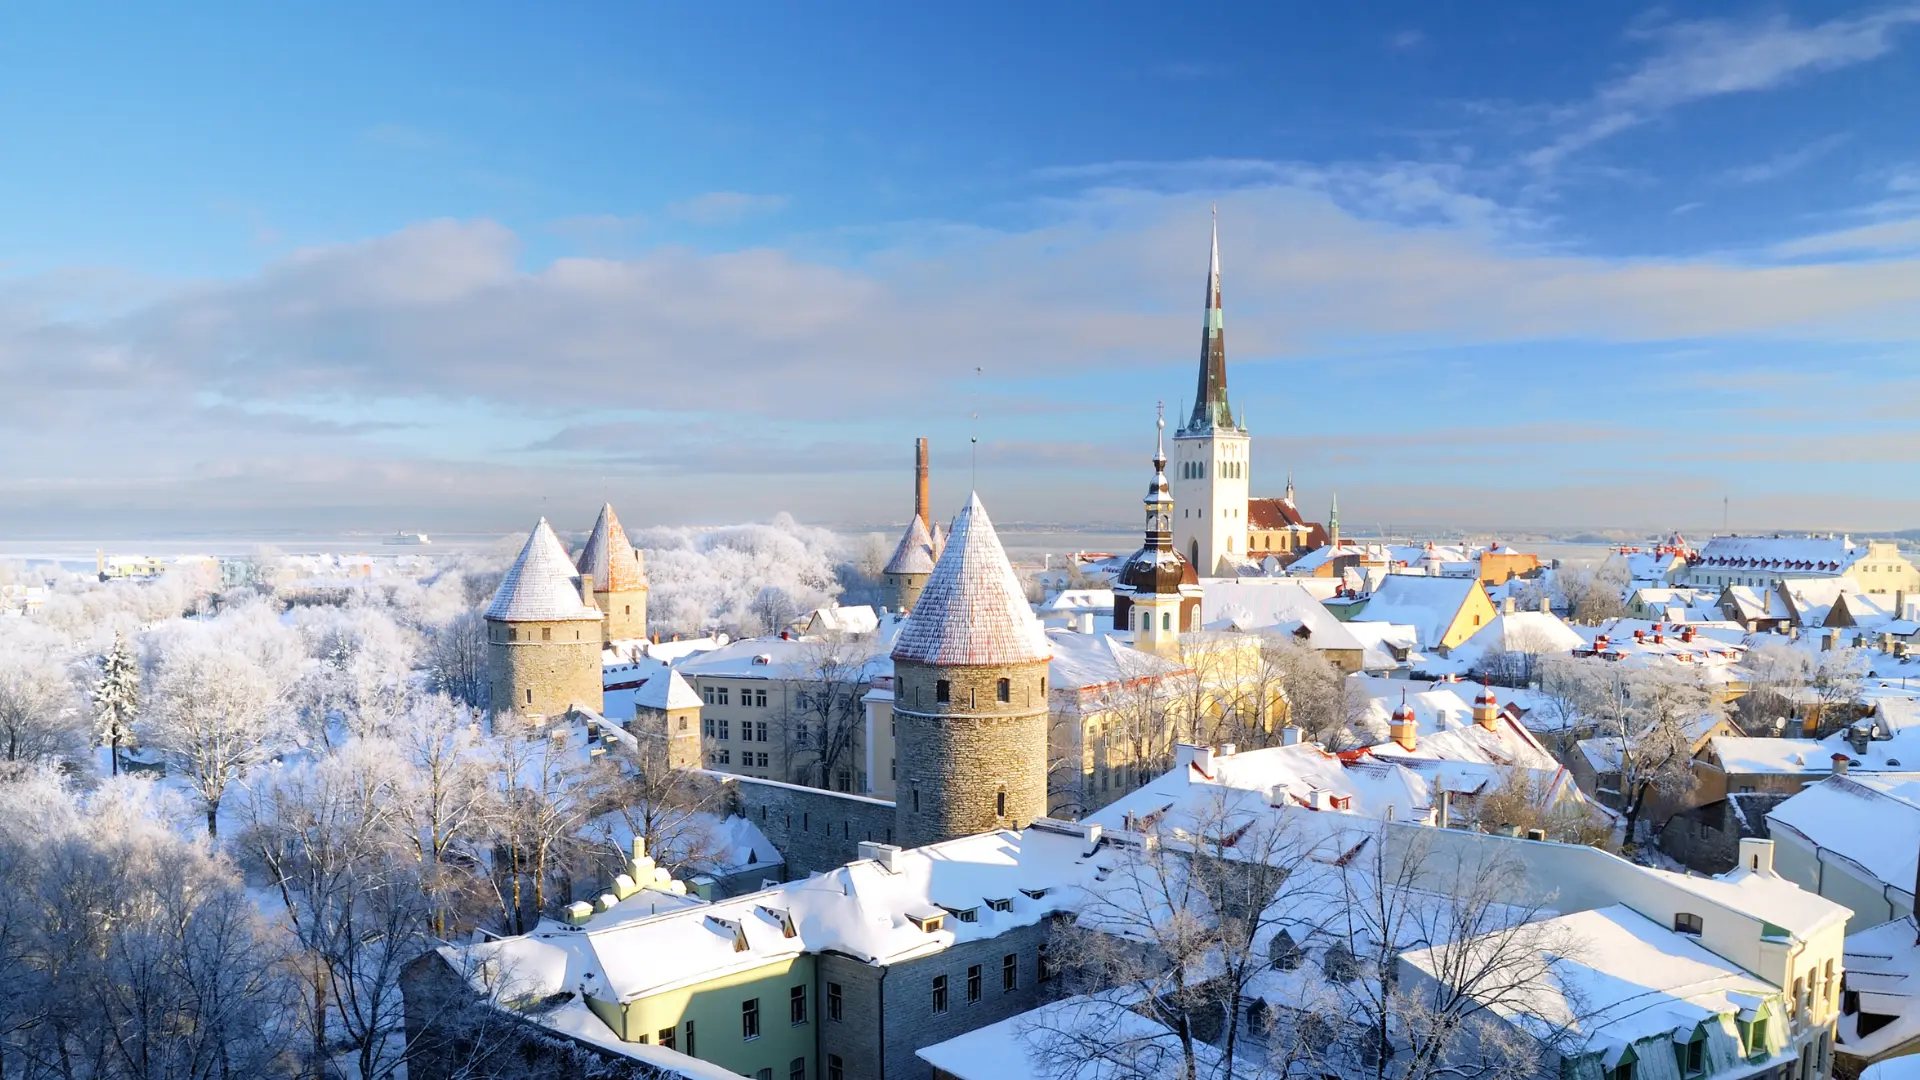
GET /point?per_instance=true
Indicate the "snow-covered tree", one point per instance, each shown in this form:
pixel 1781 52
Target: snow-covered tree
pixel 116 699
pixel 456 659
pixel 40 717
pixel 215 713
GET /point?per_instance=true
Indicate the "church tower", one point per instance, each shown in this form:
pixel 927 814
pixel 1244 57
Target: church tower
pixel 619 579
pixel 1212 454
pixel 543 633
pixel 970 696
pixel 1157 595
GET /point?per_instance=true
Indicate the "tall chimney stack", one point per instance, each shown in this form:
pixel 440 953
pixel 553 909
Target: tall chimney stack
pixel 920 500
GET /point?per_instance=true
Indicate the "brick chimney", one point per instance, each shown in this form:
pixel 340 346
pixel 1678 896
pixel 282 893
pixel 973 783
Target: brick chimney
pixel 920 500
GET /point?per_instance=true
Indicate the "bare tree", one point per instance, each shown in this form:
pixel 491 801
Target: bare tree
pixel 452 804
pixel 673 811
pixel 1485 947
pixel 546 797
pixel 1591 595
pixel 457 659
pixel 1321 701
pixel 1775 671
pixel 824 713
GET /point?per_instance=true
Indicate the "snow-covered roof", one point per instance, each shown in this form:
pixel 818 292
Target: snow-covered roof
pixel 862 910
pixel 785 658
pixel 1428 604
pixel 1834 814
pixel 1533 632
pixel 1444 726
pixel 1619 977
pixel 1763 895
pixel 613 562
pixel 1273 603
pixel 1078 600
pixel 1756 602
pixel 1034 1045
pixel 972 610
pixel 1378 642
pixel 1091 662
pixel 667 690
pixel 1791 757
pixel 1811 600
pixel 857 619
pixel 1883 970
pixel 914 553
pixel 1783 554
pixel 542 585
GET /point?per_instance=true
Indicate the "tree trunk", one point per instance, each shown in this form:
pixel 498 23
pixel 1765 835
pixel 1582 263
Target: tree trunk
pixel 213 821
pixel 319 1018
pixel 116 751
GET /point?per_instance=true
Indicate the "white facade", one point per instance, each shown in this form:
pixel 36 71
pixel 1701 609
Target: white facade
pixel 1209 481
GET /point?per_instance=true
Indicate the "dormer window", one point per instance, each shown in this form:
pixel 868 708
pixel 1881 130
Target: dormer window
pixel 927 921
pixel 1033 894
pixel 971 914
pixel 1691 1055
pixel 1685 922
pixel 1001 905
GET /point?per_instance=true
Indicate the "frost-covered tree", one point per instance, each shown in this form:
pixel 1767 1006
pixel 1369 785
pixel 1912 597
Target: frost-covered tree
pixel 825 712
pixel 215 713
pixel 116 698
pixel 709 579
pixel 40 717
pixel 451 802
pixel 1320 700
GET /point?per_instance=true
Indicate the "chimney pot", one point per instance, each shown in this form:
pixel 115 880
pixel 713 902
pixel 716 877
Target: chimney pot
pixel 1289 736
pixel 1840 763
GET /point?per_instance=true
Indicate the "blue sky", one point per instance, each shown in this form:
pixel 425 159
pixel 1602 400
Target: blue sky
pixel 445 267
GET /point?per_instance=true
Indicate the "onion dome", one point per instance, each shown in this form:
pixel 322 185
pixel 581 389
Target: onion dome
pixel 541 585
pixel 1157 568
pixel 973 610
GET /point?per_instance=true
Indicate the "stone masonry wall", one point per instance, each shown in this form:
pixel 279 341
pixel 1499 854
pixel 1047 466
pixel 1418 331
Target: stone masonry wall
pixel 620 623
pixel 890 1010
pixel 955 759
pixel 560 669
pixel 903 590
pixel 814 829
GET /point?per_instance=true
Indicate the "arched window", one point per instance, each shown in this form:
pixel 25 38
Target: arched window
pixel 1166 620
pixel 942 691
pixel 1003 690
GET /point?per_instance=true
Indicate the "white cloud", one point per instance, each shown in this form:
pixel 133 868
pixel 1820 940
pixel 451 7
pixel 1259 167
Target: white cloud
pixel 1714 57
pixel 1879 237
pixel 726 207
pixel 1787 162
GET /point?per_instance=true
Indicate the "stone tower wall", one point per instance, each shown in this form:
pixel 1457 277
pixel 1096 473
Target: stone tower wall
pixel 955 759
pixel 626 614
pixel 903 590
pixel 558 661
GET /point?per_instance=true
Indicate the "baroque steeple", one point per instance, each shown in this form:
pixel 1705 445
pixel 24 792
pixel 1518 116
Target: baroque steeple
pixel 1210 408
pixel 1159 500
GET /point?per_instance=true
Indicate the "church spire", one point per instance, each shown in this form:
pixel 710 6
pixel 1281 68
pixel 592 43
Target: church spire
pixel 1289 487
pixel 1210 407
pixel 1333 521
pixel 1159 501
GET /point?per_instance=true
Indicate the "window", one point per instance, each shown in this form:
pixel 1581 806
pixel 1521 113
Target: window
pixel 833 1002
pixel 683 723
pixel 666 1038
pixel 797 1069
pixel 1622 1071
pixel 763 1074
pixel 706 726
pixel 750 1018
pixel 1693 1056
pixel 760 731
pixel 797 1005
pixel 723 756
pixel 1166 617
pixel 1003 690
pixel 916 799
pixel 689 1034
pixel 942 691
pixel 529 695
pixel 1285 954
pixel 1754 1035
pixel 835 1071
pixel 1000 804
pixel 1685 922
pixel 1009 972
pixel 725 733
pixel 973 984
pixel 759 699
pixel 546 633
pixel 939 993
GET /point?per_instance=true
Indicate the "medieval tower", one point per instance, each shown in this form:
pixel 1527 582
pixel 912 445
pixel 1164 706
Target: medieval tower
pixel 543 633
pixel 619 579
pixel 906 573
pixel 1212 454
pixel 970 696
pixel 1157 595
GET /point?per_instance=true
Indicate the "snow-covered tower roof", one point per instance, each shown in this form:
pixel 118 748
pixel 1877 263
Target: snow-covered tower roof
pixel 915 554
pixel 973 610
pixel 610 558
pixel 667 690
pixel 541 585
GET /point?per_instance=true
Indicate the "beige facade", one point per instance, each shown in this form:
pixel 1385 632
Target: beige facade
pixel 680 728
pixel 972 749
pixel 625 614
pixel 1884 570
pixel 543 668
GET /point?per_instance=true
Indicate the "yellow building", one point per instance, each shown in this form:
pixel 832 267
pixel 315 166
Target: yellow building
pixel 1443 611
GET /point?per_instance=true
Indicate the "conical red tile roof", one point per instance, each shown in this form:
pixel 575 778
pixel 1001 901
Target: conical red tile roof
pixel 613 562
